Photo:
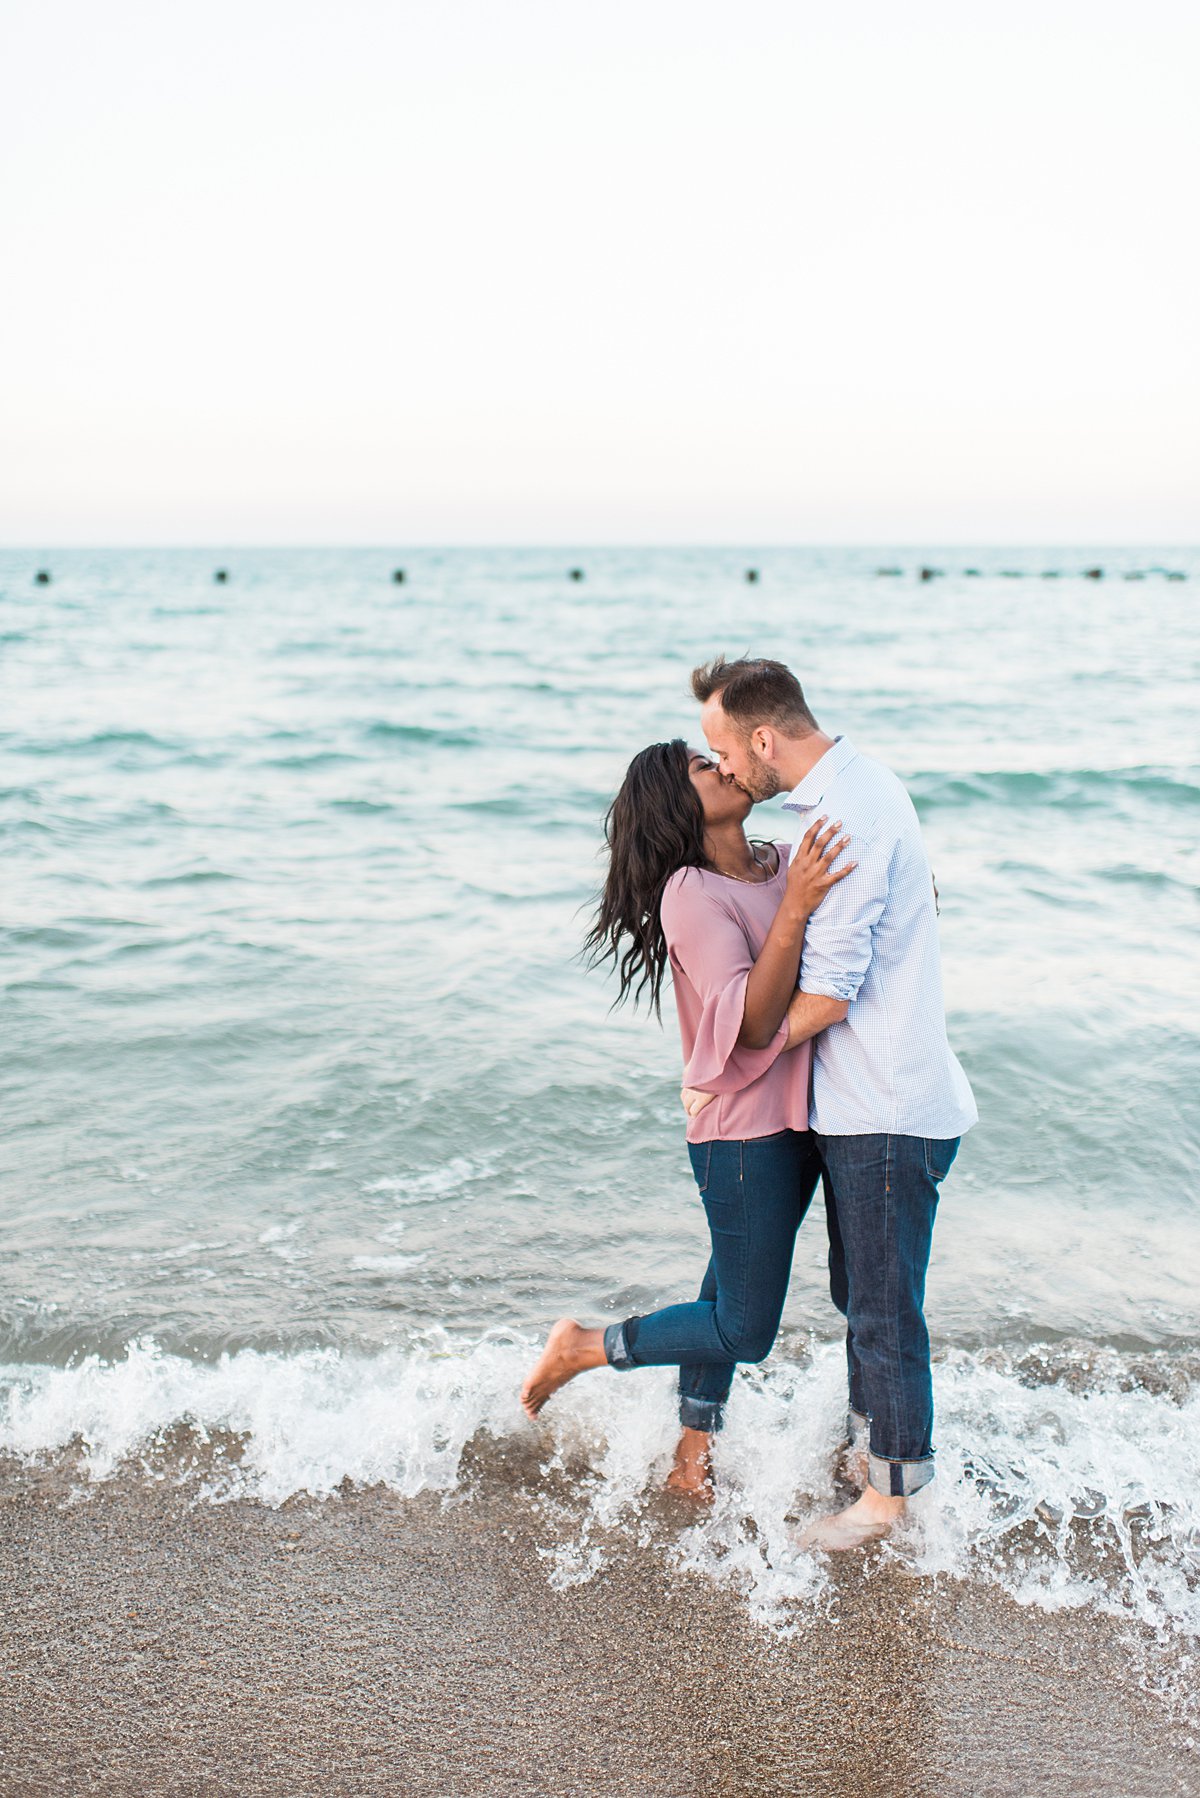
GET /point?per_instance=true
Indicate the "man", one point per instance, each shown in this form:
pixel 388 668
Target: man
pixel 889 1101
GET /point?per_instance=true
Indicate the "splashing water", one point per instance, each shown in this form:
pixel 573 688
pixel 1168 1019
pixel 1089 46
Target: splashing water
pixel 1068 1480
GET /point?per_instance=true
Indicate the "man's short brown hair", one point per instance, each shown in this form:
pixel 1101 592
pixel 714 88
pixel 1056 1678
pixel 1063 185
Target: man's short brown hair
pixel 754 693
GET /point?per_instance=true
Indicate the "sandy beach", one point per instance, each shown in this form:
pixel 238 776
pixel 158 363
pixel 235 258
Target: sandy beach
pixel 369 1644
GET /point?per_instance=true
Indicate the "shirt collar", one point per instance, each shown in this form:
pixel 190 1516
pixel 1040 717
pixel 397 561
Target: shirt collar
pixel 811 790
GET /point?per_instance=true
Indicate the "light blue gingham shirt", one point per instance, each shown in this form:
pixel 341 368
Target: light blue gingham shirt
pixel 873 941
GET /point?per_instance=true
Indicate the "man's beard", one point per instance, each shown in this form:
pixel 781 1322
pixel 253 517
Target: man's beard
pixel 761 783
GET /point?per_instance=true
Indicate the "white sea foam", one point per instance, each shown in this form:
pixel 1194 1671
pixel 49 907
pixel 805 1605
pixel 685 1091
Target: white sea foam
pixel 386 1264
pixel 435 1183
pixel 307 1420
pixel 1069 1485
pixel 279 1240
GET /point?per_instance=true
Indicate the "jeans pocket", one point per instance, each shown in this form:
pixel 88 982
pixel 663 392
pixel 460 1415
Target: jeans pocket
pixel 939 1156
pixel 700 1154
pixel 726 1210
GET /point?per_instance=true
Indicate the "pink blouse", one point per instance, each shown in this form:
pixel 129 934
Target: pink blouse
pixel 715 929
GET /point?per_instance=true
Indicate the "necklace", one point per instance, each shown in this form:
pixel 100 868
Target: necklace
pixel 746 879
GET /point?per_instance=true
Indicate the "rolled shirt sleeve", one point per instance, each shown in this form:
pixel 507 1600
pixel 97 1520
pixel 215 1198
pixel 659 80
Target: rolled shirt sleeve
pixel 837 938
pixel 708 947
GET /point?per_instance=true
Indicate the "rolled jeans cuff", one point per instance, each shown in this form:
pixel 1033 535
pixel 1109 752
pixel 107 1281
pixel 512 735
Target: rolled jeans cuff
pixel 700 1413
pixel 898 1479
pixel 616 1346
pixel 858 1428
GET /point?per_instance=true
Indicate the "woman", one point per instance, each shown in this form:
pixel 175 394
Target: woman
pixel 686 886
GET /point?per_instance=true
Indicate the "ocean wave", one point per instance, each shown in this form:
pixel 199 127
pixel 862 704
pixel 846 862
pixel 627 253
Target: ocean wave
pixel 1073 787
pixel 318 758
pixel 1130 874
pixel 503 806
pixel 44 936
pixel 193 877
pixel 445 738
pixel 104 739
pixel 363 806
pixel 1069 1476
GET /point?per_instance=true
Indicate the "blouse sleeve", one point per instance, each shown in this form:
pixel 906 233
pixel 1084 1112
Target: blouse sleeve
pixel 709 948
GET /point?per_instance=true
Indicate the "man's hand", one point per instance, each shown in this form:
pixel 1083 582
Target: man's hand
pixel 694 1100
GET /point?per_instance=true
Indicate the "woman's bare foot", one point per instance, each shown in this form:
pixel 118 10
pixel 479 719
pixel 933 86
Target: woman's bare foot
pixel 569 1350
pixel 870 1516
pixel 692 1472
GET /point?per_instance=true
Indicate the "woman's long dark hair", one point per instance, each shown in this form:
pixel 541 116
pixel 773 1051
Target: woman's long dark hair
pixel 654 827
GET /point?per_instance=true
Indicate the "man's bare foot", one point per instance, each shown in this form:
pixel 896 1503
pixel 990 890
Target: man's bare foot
pixel 692 1473
pixel 870 1516
pixel 569 1350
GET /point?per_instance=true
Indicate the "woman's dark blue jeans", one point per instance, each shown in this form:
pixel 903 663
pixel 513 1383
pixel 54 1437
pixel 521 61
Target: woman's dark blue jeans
pixel 755 1193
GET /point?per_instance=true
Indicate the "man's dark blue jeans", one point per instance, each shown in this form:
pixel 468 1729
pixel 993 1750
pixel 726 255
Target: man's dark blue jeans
pixel 881 1195
pixel 755 1193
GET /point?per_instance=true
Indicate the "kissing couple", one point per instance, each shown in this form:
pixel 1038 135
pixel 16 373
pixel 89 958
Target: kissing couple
pixel 809 990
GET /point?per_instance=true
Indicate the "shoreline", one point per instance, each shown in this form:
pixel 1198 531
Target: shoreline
pixel 370 1644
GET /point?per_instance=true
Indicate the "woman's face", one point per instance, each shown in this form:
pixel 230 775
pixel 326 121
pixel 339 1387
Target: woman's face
pixel 723 802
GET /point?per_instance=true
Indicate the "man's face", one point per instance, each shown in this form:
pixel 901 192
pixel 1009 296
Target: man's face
pixel 738 756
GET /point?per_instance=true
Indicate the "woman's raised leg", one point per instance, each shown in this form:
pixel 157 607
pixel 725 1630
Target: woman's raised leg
pixel 755 1194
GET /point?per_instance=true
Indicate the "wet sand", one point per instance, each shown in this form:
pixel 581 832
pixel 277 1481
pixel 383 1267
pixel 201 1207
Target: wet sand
pixel 374 1645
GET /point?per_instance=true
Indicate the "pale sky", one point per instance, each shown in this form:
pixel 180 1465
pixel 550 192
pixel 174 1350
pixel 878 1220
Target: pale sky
pixel 534 271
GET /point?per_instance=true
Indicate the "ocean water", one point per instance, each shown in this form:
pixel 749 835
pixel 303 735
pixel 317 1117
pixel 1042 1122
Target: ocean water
pixel 313 1119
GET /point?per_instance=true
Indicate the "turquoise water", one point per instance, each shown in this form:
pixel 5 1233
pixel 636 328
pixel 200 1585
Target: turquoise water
pixel 301 1067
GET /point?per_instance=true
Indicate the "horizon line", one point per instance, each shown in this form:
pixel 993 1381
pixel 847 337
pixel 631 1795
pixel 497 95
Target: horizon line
pixel 579 546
